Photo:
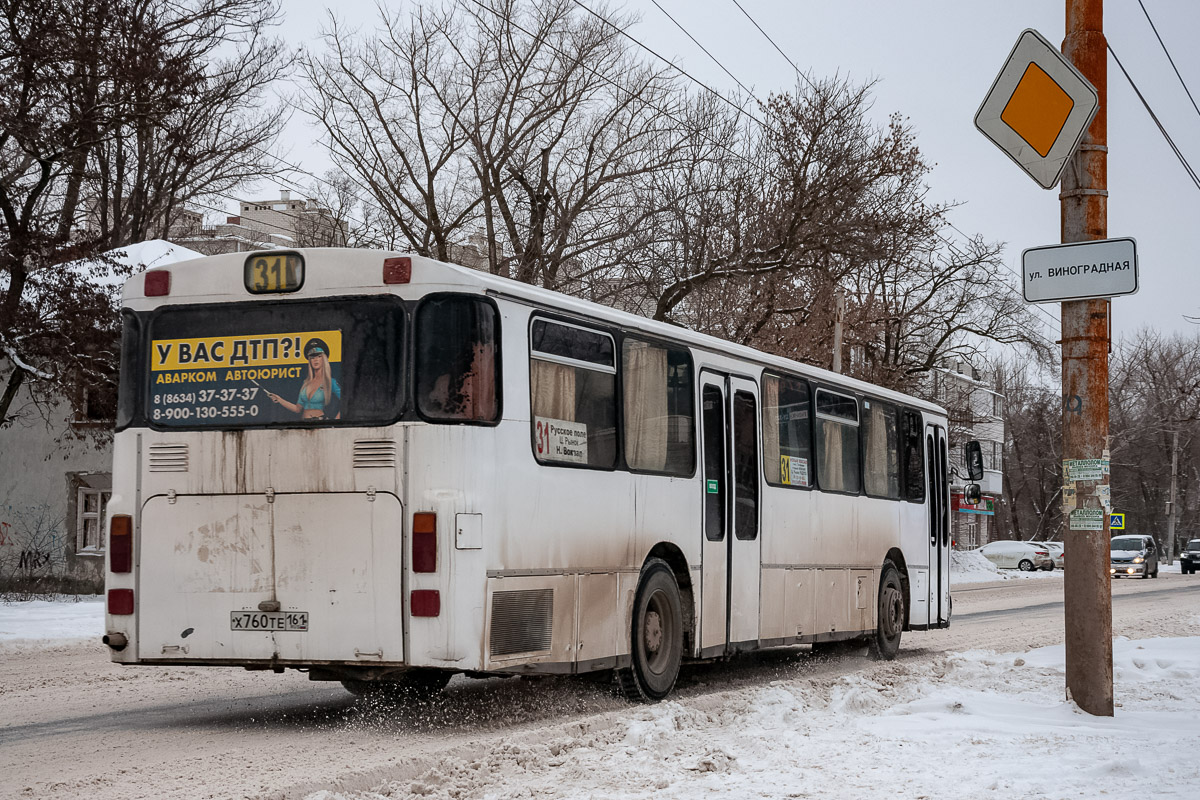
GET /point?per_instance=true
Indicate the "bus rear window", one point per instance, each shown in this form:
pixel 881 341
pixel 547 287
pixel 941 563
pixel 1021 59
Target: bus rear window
pixel 292 363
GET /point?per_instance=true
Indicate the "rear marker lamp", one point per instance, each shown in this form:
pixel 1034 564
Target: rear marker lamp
pixel 120 543
pixel 397 270
pixel 120 601
pixel 424 542
pixel 425 603
pixel 158 283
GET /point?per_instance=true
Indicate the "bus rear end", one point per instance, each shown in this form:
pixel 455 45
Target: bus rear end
pixel 257 515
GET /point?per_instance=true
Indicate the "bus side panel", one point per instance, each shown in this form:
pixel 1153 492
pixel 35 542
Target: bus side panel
pixel 452 470
pixel 914 543
pixel 787 544
pixel 878 532
pixel 668 509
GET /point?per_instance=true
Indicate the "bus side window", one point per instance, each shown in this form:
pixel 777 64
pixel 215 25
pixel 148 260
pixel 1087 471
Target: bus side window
pixel 573 395
pixel 837 442
pixel 657 408
pixel 456 360
pixel 914 458
pixel 881 450
pixel 787 435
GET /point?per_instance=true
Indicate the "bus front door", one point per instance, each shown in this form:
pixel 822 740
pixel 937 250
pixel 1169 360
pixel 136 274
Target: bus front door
pixel 730 552
pixel 939 526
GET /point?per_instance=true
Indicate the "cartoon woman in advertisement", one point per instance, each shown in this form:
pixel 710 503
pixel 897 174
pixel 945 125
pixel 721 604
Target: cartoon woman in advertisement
pixel 320 395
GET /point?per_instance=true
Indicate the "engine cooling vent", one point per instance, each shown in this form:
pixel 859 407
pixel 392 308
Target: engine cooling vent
pixel 374 454
pixel 168 458
pixel 522 621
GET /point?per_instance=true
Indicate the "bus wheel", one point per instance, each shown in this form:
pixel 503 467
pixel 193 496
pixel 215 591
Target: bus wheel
pixel 885 642
pixel 412 684
pixel 656 643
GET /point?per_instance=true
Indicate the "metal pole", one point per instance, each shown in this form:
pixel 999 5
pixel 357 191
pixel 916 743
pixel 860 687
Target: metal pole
pixel 1169 545
pixel 1085 343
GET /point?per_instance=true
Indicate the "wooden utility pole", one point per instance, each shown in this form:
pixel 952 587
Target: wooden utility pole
pixel 1085 345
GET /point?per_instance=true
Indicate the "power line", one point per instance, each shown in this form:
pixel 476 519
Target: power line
pixel 663 59
pixel 772 41
pixel 1154 28
pixel 1170 142
pixel 716 60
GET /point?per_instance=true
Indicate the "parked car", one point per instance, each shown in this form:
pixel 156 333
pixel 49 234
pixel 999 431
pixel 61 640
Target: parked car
pixel 1058 553
pixel 1133 555
pixel 1025 556
pixel 1189 557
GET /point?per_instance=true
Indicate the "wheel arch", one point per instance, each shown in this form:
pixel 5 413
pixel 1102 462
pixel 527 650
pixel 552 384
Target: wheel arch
pixel 678 563
pixel 897 558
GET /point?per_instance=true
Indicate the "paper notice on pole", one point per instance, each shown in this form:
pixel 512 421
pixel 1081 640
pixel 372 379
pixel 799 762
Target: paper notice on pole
pixel 1085 469
pixel 1068 499
pixel 1087 519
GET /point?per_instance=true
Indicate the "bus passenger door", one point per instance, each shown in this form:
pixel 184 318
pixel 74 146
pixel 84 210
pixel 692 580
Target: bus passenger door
pixel 939 525
pixel 729 611
pixel 744 544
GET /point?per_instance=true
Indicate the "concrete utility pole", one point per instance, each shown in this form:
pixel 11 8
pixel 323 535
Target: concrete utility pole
pixel 1085 344
pixel 839 315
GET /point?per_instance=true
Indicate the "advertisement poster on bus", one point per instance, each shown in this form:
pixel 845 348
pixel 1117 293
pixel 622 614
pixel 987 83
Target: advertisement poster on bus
pixel 261 379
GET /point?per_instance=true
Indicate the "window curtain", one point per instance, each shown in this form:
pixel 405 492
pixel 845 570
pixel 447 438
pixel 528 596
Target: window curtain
pixel 479 384
pixel 832 476
pixel 646 420
pixel 877 451
pixel 553 389
pixel 771 429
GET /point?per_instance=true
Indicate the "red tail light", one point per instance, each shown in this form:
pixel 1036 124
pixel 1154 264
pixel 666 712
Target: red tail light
pixel 424 542
pixel 158 283
pixel 397 270
pixel 425 603
pixel 120 543
pixel 120 601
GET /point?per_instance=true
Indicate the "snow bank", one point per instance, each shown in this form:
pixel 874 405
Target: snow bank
pixel 974 724
pixel 41 623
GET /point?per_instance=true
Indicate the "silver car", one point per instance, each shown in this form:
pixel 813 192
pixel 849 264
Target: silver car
pixel 1133 555
pixel 1025 556
pixel 1058 553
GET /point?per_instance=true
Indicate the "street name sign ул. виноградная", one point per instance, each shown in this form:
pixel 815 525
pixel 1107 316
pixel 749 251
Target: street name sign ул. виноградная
pixel 1080 270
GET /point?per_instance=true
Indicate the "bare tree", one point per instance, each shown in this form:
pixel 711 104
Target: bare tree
pixel 1154 408
pixel 1032 451
pixel 520 121
pixel 105 110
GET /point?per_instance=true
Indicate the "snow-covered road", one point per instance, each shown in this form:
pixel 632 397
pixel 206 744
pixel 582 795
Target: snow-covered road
pixel 976 711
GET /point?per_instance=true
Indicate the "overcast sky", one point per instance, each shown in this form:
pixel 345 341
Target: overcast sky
pixel 933 62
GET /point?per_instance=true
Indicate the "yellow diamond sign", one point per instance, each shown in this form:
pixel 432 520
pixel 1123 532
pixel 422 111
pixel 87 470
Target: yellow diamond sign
pixel 1038 108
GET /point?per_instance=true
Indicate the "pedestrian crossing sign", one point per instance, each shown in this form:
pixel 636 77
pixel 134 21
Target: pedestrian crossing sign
pixel 1116 522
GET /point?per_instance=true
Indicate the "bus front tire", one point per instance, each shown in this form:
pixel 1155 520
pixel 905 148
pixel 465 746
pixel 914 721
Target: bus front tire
pixel 656 636
pixel 412 684
pixel 884 644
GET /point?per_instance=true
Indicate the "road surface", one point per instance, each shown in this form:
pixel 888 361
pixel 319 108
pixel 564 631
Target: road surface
pixel 74 725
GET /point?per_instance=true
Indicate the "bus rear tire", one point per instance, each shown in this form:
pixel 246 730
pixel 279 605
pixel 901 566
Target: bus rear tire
pixel 412 684
pixel 884 644
pixel 656 635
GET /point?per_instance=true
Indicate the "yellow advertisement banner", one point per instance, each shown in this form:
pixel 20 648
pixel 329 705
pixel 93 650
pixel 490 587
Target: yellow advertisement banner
pixel 263 350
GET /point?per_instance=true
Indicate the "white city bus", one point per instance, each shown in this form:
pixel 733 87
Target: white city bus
pixel 385 470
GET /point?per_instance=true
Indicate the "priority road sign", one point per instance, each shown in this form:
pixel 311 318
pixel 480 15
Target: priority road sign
pixel 1038 108
pixel 1116 522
